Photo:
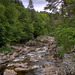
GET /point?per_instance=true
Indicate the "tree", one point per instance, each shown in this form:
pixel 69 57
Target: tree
pixel 65 5
pixel 5 2
pixel 19 2
pixel 53 5
pixel 30 5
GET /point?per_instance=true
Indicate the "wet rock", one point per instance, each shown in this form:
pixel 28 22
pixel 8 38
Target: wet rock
pixel 16 47
pixel 23 65
pixel 21 69
pixel 1 61
pixel 1 54
pixel 31 43
pixel 50 71
pixel 9 72
pixel 47 64
pixel 36 67
pixel 21 58
pixel 12 57
pixel 35 57
pixel 27 69
pixel 38 54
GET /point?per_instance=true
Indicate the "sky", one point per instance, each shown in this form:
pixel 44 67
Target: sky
pixel 38 4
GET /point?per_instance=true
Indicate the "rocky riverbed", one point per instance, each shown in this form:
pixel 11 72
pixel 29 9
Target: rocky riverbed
pixel 35 58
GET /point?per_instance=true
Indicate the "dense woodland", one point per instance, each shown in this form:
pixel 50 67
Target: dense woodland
pixel 19 24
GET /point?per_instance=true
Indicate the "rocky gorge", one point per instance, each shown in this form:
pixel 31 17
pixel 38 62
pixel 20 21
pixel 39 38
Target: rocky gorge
pixel 36 58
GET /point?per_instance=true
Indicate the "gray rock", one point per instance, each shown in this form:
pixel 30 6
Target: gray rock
pixel 67 66
pixel 46 39
pixel 21 69
pixel 31 43
pixel 9 72
pixel 1 61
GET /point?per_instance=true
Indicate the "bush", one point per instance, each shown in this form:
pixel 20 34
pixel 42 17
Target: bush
pixel 5 49
pixel 66 38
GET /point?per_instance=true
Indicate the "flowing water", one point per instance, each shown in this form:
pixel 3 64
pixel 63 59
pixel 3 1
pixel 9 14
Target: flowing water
pixel 39 54
pixel 37 61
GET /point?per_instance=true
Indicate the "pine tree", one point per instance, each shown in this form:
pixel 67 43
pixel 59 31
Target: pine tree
pixel 19 2
pixel 53 5
pixel 30 5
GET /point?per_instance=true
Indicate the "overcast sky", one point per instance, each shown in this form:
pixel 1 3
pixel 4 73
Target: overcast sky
pixel 38 4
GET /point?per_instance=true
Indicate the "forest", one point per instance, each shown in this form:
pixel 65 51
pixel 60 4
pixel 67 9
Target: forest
pixel 19 24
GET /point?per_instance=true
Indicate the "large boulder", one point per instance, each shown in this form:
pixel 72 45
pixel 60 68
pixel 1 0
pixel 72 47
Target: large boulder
pixel 9 72
pixel 45 39
pixel 31 43
pixel 50 70
pixel 21 69
pixel 67 66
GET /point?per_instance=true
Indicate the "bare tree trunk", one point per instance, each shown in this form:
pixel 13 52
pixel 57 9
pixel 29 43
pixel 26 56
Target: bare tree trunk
pixel 68 10
pixel 62 11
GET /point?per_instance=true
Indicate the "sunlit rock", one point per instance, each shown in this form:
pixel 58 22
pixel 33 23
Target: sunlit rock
pixel 9 72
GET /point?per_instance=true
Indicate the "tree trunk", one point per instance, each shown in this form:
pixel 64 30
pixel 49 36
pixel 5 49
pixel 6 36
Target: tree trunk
pixel 62 11
pixel 68 10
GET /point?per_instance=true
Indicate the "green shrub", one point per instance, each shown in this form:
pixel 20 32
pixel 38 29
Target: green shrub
pixel 5 49
pixel 66 38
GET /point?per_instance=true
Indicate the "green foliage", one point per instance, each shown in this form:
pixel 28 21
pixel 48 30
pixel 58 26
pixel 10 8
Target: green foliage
pixel 11 14
pixel 5 49
pixel 39 24
pixel 2 12
pixel 68 1
pixel 73 55
pixel 66 38
pixel 62 51
pixel 5 2
pixel 18 24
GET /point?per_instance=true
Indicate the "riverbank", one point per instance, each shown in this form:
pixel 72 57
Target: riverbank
pixel 34 58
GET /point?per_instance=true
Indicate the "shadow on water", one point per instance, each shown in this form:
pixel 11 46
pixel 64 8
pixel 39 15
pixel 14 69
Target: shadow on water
pixel 30 72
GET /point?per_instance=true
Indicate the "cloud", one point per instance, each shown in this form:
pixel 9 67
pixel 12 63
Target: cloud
pixel 38 4
pixel 39 1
